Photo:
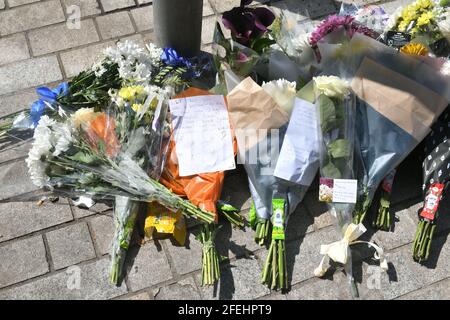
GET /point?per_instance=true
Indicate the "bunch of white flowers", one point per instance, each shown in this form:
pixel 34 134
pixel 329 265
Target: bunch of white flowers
pixel 282 92
pixel 331 86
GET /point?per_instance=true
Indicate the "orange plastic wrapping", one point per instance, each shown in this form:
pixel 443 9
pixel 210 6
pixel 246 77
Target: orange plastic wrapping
pixel 204 189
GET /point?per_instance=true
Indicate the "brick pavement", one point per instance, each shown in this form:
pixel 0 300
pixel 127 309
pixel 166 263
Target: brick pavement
pixel 42 247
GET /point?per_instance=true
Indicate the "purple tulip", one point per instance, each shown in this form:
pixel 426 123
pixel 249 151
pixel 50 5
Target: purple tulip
pixel 247 24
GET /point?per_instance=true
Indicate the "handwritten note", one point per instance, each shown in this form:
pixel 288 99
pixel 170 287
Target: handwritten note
pixel 202 134
pixel 345 190
pixel 299 155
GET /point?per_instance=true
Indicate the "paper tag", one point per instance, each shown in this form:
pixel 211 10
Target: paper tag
pixel 338 190
pixel 432 201
pixel 388 181
pixel 278 219
pixel 202 134
pixel 397 39
pixel 298 161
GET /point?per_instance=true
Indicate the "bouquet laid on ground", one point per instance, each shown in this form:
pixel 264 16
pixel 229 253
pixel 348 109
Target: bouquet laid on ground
pixel 338 187
pixel 436 177
pixel 424 21
pixel 260 117
pixel 203 190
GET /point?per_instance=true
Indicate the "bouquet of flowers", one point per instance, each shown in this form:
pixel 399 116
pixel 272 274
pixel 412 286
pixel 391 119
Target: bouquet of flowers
pixel 260 117
pixel 436 175
pixel 424 21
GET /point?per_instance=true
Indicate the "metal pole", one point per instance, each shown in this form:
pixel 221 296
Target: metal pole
pixel 178 24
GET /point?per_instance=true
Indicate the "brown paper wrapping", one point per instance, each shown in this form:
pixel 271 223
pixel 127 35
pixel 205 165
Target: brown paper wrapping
pixel 251 108
pixel 411 106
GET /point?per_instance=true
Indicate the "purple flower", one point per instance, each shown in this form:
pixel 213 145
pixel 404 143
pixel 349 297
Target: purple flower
pixel 247 24
pixel 334 22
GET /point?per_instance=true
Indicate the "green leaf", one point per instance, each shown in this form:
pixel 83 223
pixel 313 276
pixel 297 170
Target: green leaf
pixel 260 44
pixel 327 112
pixel 339 148
pixel 331 171
pixel 83 157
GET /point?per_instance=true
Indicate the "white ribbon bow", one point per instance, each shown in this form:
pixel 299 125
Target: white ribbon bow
pixel 338 251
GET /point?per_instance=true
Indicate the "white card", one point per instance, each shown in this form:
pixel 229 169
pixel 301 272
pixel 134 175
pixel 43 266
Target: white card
pixel 202 134
pixel 299 155
pixel 345 190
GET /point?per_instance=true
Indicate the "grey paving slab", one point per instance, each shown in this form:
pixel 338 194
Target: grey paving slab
pixel 14 180
pixel 85 282
pixel 31 16
pixel 15 3
pixel 148 267
pixel 13 48
pixel 22 260
pixel 436 291
pixel 11 103
pixel 109 5
pixel 86 7
pixel 67 37
pixel 102 227
pixel 21 218
pixel 70 245
pixel 29 73
pixel 185 289
pixel 143 18
pixel 187 258
pixel 115 25
pixel 322 289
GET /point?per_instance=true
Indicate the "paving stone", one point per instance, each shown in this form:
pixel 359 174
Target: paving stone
pixel 94 285
pixel 139 296
pixel 392 6
pixel 66 39
pixel 239 280
pixel 2 4
pixel 208 27
pixel 299 223
pixel 305 9
pixel 22 260
pixel 21 218
pixel 436 291
pixel 404 230
pixel 144 1
pixel 273 296
pixel 143 17
pixel 322 289
pixel 13 48
pixel 29 73
pixel 15 3
pixel 148 266
pixel 102 232
pixel 148 37
pixel 115 25
pixel 109 5
pixel 207 9
pixel 18 150
pixel 399 280
pixel 70 245
pixel 232 242
pixel 87 7
pixel 32 16
pixel 182 290
pixel 224 5
pixel 14 180
pixel 15 102
pixel 188 258
pixel 98 207
pixel 78 60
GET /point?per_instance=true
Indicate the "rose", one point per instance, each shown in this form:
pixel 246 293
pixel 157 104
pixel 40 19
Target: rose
pixel 331 86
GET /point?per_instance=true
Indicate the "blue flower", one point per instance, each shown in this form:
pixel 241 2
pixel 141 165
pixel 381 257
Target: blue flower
pixel 47 96
pixel 171 58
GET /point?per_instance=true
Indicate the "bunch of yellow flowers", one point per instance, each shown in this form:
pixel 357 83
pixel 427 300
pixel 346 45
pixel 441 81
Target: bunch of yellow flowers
pixel 420 13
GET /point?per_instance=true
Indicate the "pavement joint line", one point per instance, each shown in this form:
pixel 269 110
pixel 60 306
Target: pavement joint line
pixel 173 270
pixel 61 66
pixel 48 274
pixel 48 255
pixel 93 238
pixel 422 287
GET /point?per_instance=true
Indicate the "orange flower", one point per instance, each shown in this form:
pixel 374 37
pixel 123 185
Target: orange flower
pixel 103 129
pixel 415 49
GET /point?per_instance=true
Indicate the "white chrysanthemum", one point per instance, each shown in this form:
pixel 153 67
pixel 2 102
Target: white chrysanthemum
pixel 63 137
pixel 42 146
pixel 282 92
pixel 331 86
pixel 444 25
pixel 392 22
pixel 301 43
pixel 155 53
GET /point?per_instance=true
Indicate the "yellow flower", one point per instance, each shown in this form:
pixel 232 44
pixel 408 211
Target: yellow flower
pixel 424 4
pixel 425 18
pixel 416 49
pixel 137 107
pixel 132 92
pixel 402 26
